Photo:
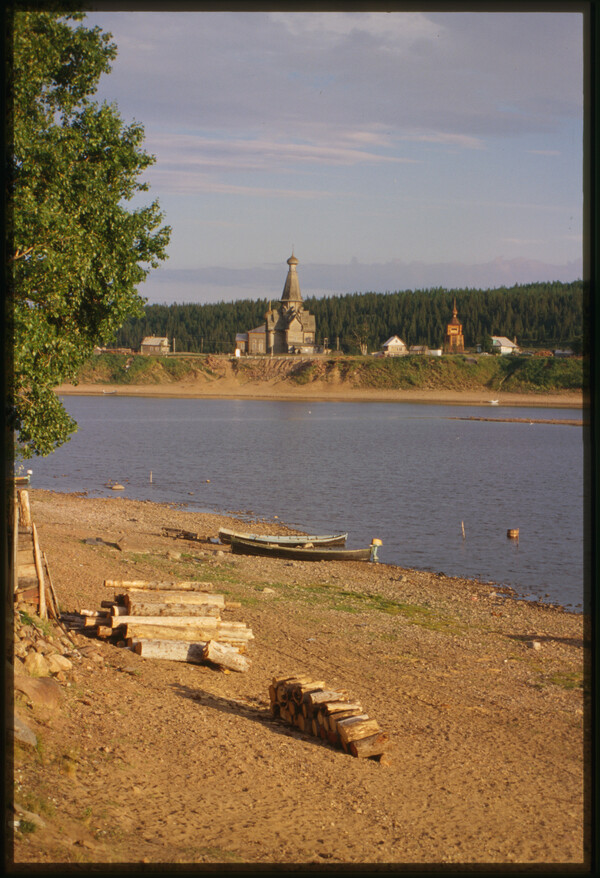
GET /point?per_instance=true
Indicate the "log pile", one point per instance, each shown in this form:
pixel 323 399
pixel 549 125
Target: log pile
pixel 178 621
pixel 330 714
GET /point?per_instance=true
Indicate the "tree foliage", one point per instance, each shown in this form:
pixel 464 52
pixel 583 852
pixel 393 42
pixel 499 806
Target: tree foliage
pixel 539 315
pixel 78 248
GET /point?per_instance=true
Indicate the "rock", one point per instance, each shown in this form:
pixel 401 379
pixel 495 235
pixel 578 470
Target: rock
pixel 173 556
pixel 23 733
pixel 534 644
pixel 44 692
pixel 118 487
pixel 57 663
pixel 36 665
pixel 268 591
pixel 30 817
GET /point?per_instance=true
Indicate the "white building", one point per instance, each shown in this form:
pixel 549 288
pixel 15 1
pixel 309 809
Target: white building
pixel 154 345
pixel 503 345
pixel 394 347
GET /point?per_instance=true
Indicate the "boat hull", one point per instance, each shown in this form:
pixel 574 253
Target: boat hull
pixel 291 540
pixel 299 553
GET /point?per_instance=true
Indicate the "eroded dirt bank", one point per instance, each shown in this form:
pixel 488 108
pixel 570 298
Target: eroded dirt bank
pixel 164 762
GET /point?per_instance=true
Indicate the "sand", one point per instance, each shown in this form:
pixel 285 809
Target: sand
pixel 227 388
pixel 483 697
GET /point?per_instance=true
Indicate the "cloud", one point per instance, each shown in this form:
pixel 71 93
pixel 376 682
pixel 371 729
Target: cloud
pixel 317 74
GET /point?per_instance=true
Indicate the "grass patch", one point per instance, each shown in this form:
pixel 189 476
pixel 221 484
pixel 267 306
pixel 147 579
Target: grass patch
pixel 42 625
pixel 27 827
pixel 359 602
pixel 567 680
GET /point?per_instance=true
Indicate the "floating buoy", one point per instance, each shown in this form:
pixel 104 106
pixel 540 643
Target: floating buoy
pixel 118 487
pixel 513 533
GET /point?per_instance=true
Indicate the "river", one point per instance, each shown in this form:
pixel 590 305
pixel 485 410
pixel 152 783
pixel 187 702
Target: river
pixel 410 474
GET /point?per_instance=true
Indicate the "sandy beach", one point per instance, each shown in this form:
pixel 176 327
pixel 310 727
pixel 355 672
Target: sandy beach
pixel 483 697
pixel 227 388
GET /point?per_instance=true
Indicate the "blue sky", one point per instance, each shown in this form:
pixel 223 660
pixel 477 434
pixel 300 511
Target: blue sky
pixel 391 151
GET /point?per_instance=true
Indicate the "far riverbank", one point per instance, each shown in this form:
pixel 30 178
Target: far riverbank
pixel 321 392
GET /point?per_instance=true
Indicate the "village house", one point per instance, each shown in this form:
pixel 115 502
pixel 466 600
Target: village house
pixel 289 329
pixel 394 347
pixel 153 345
pixel 503 345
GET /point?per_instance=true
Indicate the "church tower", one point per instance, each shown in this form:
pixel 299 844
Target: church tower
pixel 291 291
pixel 290 328
pixel 454 340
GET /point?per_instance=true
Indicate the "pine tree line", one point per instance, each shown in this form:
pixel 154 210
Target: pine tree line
pixel 538 315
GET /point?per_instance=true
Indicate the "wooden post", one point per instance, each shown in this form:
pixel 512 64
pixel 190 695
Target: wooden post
pixel 40 574
pixel 24 509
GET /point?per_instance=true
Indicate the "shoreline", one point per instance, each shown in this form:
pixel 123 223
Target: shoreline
pixel 280 392
pixel 482 701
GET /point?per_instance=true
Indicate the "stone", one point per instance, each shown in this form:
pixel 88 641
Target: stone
pixel 57 663
pixel 23 733
pixel 30 817
pixel 36 665
pixel 42 692
pixel 173 556
pixel 534 644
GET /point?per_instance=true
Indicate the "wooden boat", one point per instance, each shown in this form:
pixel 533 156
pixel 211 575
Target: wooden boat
pixel 304 553
pixel 226 535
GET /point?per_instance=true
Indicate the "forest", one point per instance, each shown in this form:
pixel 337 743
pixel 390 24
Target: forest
pixel 539 315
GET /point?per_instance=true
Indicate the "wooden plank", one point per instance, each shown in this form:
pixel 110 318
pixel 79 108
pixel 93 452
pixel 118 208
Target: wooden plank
pixel 147 608
pixel 207 622
pixel 167 584
pixel 175 596
pixel 186 633
pixel 27 571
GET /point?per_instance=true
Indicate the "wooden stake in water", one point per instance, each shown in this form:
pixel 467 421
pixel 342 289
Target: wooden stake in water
pixel 462 524
pixel 150 476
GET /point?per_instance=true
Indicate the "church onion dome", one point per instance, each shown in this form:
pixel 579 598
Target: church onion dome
pixel 292 260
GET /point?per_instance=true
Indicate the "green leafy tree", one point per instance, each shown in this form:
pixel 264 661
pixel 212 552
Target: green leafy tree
pixel 78 248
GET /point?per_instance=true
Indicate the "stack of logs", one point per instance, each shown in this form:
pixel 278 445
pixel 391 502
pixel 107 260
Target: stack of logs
pixel 329 714
pixel 178 621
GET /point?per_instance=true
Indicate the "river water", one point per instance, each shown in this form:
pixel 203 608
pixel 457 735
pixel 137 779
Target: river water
pixel 409 474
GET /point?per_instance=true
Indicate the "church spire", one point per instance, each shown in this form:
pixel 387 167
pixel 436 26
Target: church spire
pixel 291 290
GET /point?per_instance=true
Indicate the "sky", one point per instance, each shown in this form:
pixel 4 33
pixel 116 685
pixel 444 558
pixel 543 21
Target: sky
pixel 387 151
